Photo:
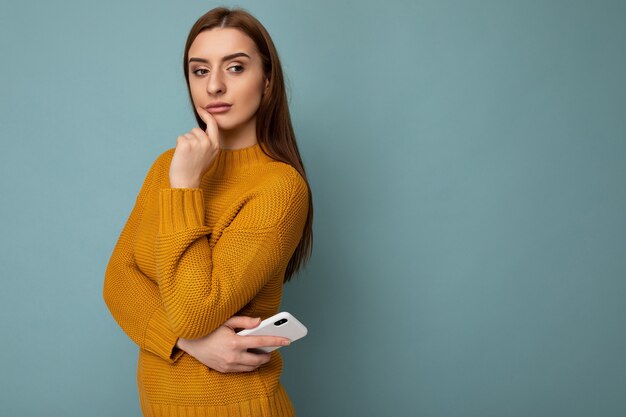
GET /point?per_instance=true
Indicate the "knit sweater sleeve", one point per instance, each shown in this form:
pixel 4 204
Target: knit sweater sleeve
pixel 203 279
pixel 132 298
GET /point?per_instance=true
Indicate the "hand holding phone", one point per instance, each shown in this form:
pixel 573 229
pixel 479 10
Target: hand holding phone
pixel 282 324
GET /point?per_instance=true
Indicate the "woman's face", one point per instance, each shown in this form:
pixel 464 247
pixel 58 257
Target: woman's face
pixel 236 80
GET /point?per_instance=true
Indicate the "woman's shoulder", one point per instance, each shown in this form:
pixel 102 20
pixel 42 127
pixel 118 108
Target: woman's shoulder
pixel 162 157
pixel 166 155
pixel 162 161
pixel 276 193
pixel 282 176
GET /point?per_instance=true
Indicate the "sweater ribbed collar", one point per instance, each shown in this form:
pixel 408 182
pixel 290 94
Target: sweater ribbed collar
pixel 232 161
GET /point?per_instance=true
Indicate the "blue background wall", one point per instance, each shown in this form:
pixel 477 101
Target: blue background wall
pixel 468 164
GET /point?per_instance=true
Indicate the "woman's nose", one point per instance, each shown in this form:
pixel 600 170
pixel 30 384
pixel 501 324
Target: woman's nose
pixel 215 84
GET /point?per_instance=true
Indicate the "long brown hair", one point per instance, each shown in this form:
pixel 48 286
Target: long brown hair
pixel 274 131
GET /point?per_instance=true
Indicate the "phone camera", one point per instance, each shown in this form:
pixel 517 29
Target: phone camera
pixel 279 322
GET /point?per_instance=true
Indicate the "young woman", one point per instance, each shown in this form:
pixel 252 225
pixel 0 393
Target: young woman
pixel 220 223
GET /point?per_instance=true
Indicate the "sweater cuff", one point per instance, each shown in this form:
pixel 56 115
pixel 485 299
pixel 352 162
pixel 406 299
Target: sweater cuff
pixel 180 208
pixel 160 339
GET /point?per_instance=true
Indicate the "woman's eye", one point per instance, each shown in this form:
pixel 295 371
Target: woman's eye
pixel 204 69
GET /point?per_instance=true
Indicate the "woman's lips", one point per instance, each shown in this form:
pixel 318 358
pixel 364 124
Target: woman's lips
pixel 220 109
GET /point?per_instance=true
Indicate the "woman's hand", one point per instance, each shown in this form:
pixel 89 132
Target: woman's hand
pixel 194 153
pixel 225 351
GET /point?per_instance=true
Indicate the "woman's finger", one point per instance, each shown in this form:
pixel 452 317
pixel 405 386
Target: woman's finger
pixel 265 341
pixel 242 322
pixel 254 359
pixel 242 368
pixel 198 133
pixel 212 129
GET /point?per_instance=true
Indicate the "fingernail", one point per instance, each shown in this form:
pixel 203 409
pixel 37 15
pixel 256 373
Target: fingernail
pixel 286 342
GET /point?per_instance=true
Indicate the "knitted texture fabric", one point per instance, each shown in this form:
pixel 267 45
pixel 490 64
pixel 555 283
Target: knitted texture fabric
pixel 187 260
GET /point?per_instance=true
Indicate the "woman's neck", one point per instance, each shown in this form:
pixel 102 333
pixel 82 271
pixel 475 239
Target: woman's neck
pixel 230 162
pixel 242 137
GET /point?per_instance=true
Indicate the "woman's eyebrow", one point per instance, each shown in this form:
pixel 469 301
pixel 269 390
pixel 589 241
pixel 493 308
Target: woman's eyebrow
pixel 225 58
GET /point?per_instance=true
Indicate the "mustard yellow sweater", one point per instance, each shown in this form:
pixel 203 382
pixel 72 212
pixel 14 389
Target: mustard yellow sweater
pixel 187 260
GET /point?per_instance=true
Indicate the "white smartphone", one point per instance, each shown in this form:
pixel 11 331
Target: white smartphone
pixel 282 324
